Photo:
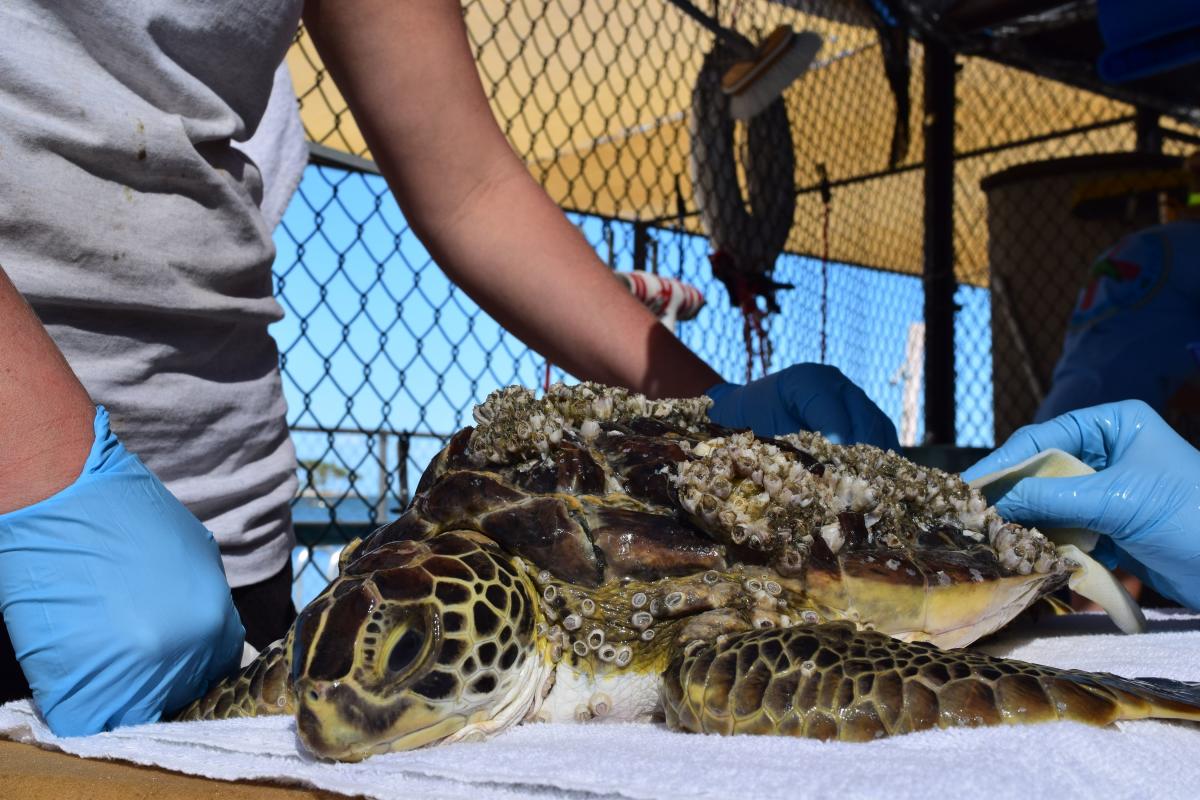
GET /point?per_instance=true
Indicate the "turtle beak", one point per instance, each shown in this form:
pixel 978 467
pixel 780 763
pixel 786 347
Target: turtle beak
pixel 331 718
pixel 321 723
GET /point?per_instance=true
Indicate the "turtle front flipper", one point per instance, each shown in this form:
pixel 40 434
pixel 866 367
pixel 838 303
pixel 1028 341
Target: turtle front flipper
pixel 833 682
pixel 259 689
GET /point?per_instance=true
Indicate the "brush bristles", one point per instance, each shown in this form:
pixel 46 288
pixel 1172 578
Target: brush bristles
pixel 772 73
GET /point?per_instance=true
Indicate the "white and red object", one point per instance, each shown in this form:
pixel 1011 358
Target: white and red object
pixel 667 298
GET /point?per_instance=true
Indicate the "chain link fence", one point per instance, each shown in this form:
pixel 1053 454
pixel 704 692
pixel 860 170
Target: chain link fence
pixel 383 358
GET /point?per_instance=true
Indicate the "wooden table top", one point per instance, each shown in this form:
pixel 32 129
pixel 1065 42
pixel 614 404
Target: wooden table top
pixel 30 773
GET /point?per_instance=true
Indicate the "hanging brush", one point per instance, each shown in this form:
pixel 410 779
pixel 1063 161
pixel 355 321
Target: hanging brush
pixel 762 72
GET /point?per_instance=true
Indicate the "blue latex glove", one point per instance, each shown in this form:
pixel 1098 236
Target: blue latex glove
pixel 813 397
pixel 1146 495
pixel 114 596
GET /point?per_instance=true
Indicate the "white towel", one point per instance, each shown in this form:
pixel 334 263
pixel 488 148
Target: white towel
pixel 1055 760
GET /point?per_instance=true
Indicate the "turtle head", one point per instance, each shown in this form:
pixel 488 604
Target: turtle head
pixel 416 643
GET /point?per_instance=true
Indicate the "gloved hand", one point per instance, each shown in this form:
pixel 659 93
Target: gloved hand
pixel 1145 496
pixel 114 596
pixel 814 397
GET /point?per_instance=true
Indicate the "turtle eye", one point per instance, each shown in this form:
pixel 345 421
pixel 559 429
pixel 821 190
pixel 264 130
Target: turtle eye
pixel 405 651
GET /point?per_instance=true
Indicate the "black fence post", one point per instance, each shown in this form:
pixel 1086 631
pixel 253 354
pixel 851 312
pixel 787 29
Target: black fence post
pixel 1148 131
pixel 939 277
pixel 641 245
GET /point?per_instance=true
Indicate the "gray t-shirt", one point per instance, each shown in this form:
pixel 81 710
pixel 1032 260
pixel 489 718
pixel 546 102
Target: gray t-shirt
pixel 132 225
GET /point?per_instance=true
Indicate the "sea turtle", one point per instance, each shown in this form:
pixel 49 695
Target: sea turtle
pixel 593 553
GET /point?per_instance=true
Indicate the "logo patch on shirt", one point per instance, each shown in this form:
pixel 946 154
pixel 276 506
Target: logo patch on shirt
pixel 1126 275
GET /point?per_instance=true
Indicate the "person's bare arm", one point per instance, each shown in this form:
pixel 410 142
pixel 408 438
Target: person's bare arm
pixel 113 593
pixel 407 71
pixel 45 413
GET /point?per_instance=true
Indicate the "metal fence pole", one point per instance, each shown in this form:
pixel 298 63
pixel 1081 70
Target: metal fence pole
pixel 939 277
pixel 1148 131
pixel 403 440
pixel 641 245
pixel 381 504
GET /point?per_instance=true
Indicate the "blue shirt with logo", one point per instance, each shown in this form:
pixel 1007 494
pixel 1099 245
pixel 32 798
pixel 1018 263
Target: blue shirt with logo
pixel 1134 320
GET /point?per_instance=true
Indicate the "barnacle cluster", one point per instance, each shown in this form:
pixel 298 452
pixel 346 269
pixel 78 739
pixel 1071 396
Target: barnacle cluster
pixel 779 496
pixel 897 486
pixel 513 423
pixel 903 491
pixel 621 623
pixel 576 624
pixel 749 492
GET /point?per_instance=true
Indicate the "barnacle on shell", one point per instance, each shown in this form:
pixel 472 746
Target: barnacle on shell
pixel 514 423
pixel 750 492
pixel 778 496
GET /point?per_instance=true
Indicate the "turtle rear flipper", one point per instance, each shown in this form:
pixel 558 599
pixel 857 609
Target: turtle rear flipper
pixel 259 689
pixel 1163 698
pixel 834 682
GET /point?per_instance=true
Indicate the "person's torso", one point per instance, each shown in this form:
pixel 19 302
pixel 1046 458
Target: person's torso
pixel 120 187
pixel 1133 322
pixel 132 225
